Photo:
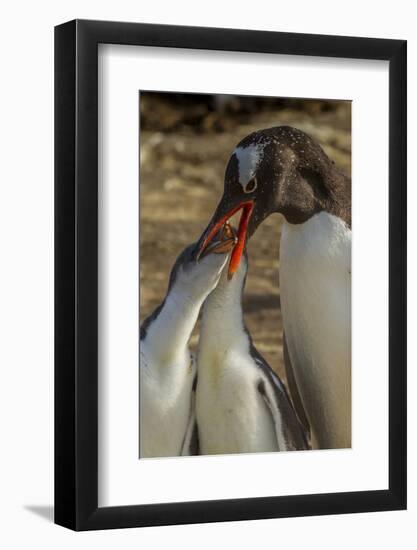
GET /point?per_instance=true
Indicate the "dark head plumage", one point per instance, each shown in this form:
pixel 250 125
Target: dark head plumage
pixel 282 170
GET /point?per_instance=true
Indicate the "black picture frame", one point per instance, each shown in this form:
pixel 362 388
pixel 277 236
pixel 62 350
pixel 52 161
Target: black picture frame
pixel 76 272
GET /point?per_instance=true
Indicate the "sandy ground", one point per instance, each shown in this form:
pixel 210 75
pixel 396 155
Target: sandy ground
pixel 181 181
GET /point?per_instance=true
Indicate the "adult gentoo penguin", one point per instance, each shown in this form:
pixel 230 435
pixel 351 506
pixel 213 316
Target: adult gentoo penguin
pixel 241 404
pixel 284 170
pixel 167 368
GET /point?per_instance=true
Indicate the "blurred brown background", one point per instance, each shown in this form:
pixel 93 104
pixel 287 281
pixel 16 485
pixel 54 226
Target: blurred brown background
pixel 185 143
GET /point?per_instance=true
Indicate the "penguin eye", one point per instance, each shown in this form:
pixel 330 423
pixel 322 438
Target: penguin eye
pixel 251 186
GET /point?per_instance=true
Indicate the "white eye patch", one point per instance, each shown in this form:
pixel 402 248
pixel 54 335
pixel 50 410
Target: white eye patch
pixel 248 159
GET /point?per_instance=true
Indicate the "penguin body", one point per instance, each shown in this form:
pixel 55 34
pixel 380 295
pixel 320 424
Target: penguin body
pixel 241 405
pixel 283 170
pixel 167 367
pixel 315 283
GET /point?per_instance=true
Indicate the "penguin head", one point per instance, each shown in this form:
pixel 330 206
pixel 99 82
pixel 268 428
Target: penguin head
pixel 278 169
pixel 235 285
pixel 198 279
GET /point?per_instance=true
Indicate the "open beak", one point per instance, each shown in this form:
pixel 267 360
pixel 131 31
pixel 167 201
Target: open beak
pixel 221 243
pixel 220 217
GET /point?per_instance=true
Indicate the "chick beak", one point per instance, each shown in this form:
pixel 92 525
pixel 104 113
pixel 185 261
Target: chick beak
pixel 218 220
pixel 221 243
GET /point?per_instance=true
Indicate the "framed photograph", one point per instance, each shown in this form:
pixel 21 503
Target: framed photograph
pixel 230 252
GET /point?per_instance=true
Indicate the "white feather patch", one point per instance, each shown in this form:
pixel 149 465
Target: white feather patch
pixel 315 280
pixel 249 159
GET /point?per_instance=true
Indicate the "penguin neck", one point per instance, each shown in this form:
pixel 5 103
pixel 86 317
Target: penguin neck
pixel 222 327
pixel 169 332
pixel 326 192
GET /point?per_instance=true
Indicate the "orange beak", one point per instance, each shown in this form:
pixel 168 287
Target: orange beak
pixel 237 252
